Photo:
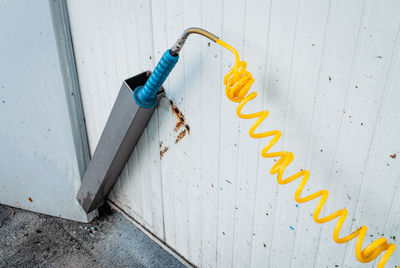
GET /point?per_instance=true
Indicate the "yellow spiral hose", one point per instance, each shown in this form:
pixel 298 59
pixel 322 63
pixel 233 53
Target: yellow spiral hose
pixel 238 82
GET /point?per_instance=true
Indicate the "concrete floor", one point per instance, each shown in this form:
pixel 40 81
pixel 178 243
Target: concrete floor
pixel 29 239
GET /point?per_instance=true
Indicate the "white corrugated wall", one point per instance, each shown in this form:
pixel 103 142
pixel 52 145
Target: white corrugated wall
pixel 328 72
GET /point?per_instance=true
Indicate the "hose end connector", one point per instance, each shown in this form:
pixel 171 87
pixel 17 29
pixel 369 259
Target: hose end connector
pixel 176 48
pixel 146 96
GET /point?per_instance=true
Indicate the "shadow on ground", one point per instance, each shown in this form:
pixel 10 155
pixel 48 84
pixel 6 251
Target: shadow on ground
pixel 29 239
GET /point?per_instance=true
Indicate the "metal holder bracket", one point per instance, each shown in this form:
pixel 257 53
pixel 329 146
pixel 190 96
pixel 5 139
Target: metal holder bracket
pixel 122 131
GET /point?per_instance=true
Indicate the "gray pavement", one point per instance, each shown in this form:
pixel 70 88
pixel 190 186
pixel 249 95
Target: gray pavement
pixel 29 239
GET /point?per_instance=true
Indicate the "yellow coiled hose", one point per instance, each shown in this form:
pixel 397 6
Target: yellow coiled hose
pixel 238 82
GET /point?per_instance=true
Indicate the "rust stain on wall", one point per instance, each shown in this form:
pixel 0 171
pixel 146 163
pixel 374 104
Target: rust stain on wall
pixel 163 150
pixel 180 122
pixel 180 118
pixel 180 136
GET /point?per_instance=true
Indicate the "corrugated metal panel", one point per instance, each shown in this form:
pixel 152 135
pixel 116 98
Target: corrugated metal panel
pixel 328 73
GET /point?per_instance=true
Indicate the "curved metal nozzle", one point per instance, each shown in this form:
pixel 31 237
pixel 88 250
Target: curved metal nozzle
pixel 176 48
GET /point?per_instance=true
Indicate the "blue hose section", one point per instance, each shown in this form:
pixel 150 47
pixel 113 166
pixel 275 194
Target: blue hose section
pixel 146 96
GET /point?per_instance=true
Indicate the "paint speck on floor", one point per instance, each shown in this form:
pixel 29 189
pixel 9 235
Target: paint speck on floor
pixel 291 227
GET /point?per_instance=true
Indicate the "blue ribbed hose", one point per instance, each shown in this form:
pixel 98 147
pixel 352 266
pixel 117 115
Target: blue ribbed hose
pixel 146 96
